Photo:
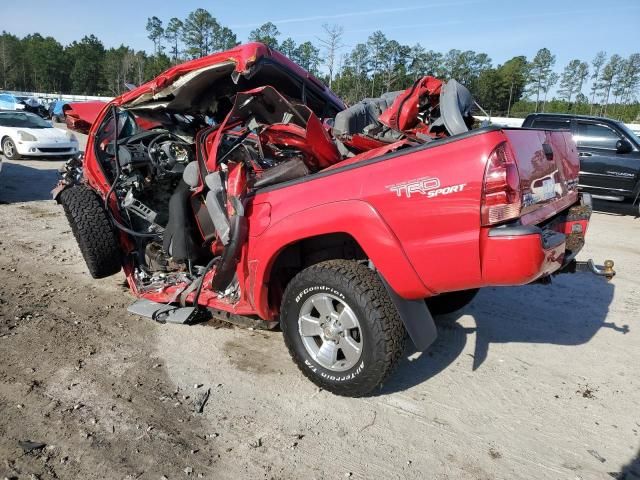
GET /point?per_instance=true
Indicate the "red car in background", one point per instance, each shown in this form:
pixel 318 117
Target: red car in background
pixel 259 198
pixel 79 116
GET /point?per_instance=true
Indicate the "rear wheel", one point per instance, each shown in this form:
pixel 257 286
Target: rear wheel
pixel 9 149
pixel 450 302
pixel 92 229
pixel 341 328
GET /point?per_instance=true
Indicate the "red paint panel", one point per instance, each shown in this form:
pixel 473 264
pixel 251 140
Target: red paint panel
pixel 517 260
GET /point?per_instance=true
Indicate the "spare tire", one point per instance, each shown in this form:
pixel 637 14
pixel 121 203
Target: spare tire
pixel 93 231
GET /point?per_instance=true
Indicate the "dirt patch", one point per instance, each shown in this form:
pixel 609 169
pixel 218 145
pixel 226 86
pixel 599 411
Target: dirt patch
pixel 38 212
pixel 248 360
pixel 495 454
pixel 587 391
pixel 80 376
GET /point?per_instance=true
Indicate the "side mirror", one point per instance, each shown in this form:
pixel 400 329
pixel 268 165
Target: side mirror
pixel 623 146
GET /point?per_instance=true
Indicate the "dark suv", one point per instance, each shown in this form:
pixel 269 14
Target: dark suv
pixel 609 153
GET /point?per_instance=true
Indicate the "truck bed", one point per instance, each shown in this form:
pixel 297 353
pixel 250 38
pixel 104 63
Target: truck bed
pixel 417 212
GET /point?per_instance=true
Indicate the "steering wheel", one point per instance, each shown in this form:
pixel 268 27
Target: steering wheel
pixel 167 157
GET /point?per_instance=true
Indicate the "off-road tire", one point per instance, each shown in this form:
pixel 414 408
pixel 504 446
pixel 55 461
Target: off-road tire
pixel 15 155
pixel 450 302
pixel 93 231
pixel 383 334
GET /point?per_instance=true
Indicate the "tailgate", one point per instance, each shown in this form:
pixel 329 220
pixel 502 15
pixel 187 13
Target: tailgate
pixel 548 165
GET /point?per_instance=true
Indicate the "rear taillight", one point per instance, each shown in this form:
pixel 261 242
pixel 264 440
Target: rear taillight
pixel 501 196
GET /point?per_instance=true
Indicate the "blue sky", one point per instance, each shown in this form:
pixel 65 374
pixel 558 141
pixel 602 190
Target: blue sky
pixel 501 28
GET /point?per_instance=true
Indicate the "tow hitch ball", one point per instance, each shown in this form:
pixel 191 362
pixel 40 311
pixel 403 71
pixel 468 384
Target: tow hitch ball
pixel 605 270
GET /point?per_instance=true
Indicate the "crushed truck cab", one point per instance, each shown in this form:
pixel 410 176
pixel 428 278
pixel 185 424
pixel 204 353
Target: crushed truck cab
pixel 239 186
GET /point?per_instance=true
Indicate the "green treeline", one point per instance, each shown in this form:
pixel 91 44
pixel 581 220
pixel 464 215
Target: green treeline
pixel 605 85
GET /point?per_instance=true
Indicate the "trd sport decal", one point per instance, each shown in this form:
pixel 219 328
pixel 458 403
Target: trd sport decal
pixel 428 186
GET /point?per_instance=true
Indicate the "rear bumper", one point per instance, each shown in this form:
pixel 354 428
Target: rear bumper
pixel 517 255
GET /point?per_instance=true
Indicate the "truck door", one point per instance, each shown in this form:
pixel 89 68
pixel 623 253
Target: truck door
pixel 604 171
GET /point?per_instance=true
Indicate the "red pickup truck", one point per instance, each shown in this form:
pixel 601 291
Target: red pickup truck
pixel 237 185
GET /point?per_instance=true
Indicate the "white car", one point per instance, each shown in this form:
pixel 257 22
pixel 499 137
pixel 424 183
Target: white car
pixel 26 134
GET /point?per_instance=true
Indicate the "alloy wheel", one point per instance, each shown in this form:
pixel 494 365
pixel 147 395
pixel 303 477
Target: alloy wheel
pixel 330 332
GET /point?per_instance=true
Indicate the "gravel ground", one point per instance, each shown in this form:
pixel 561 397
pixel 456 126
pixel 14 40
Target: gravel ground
pixel 527 382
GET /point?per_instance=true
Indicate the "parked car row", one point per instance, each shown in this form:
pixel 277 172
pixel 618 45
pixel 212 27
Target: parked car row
pixel 45 108
pixel 26 134
pixel 9 101
pixel 21 115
